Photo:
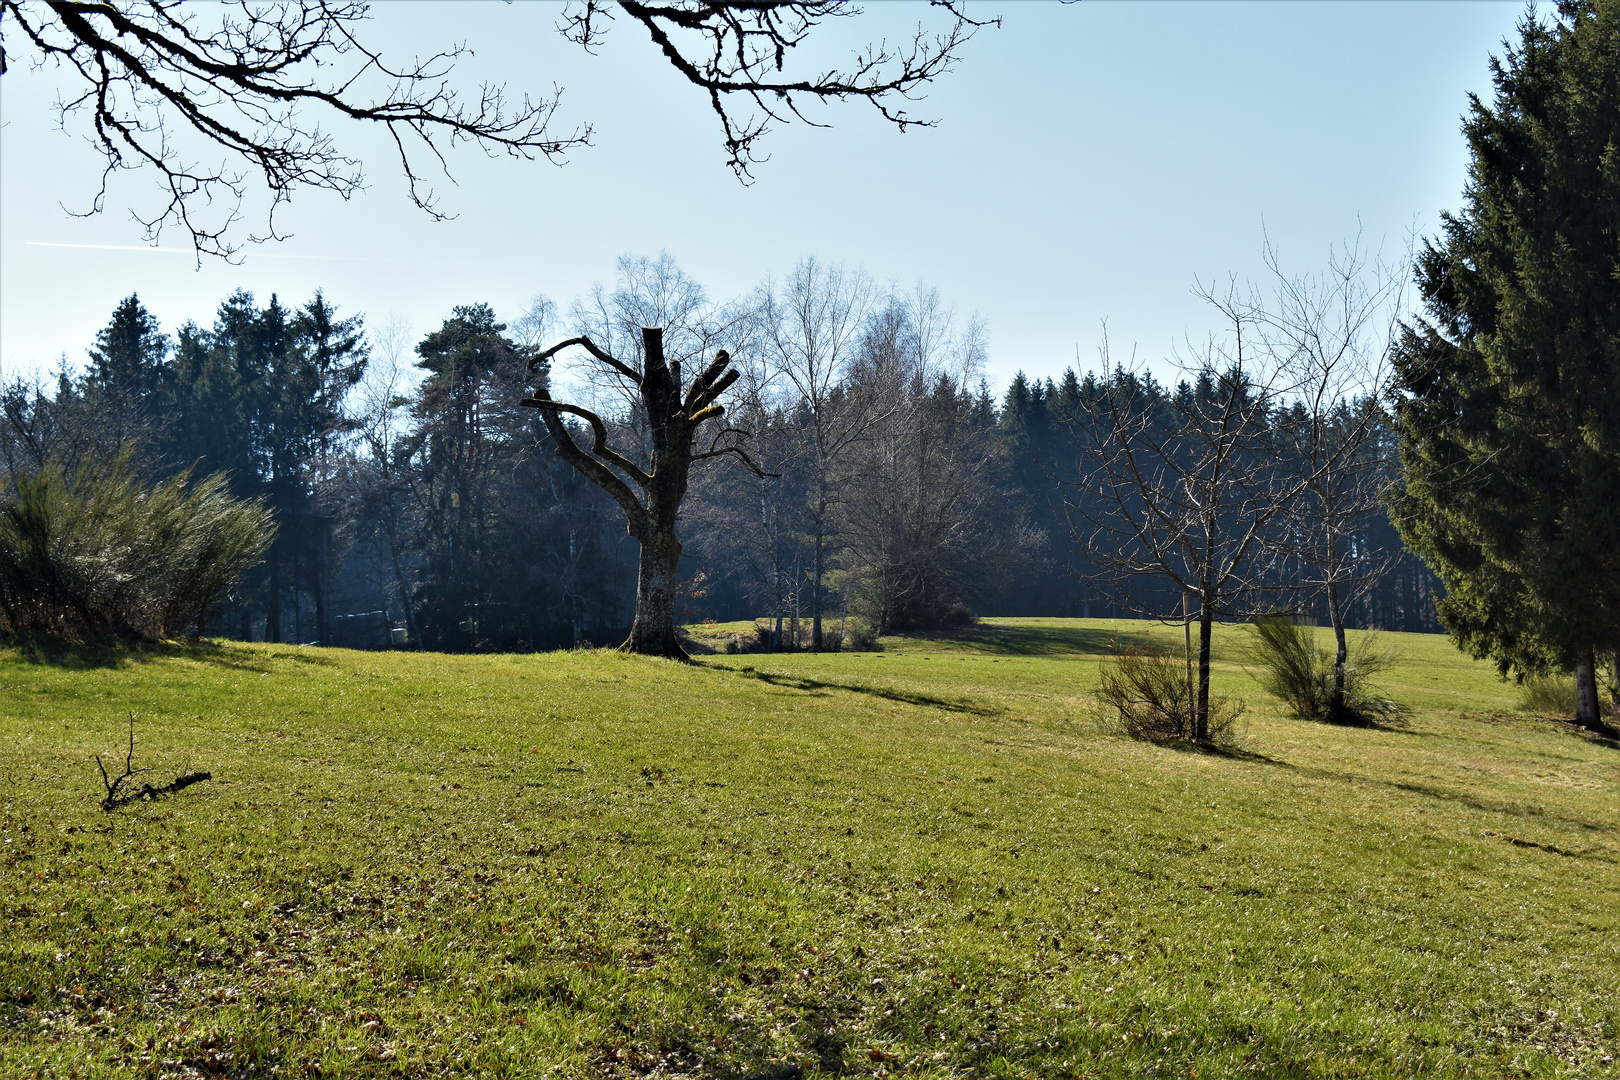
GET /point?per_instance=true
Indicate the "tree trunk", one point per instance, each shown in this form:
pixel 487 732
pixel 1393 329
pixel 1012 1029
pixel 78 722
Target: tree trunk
pixel 1336 613
pixel 1206 619
pixel 404 594
pixel 815 596
pixel 323 611
pixel 653 632
pixel 1186 633
pixel 272 609
pixel 1586 693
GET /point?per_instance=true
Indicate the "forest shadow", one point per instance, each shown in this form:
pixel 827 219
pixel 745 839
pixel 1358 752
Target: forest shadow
pixel 111 653
pixel 1027 640
pixel 904 697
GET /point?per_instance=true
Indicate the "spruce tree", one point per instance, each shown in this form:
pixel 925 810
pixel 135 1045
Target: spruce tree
pixel 460 446
pixel 126 375
pixel 127 361
pixel 1510 387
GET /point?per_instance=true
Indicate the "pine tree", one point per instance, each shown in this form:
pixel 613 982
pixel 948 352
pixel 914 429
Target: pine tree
pixel 127 361
pixel 334 352
pixel 127 374
pixel 1510 416
pixel 474 378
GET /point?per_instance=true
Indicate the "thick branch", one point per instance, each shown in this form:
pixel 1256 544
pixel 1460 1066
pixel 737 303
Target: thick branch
pixel 593 470
pixel 600 447
pixel 589 346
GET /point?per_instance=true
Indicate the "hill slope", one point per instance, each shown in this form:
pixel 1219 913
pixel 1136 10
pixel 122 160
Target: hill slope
pixel 923 861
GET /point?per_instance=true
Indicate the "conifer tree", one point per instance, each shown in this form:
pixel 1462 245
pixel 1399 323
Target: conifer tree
pixel 1510 406
pixel 465 411
pixel 127 371
pixel 127 361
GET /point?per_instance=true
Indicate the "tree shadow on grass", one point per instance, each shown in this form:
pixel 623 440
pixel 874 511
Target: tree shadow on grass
pixel 1027 640
pixel 1429 791
pixel 112 653
pixel 821 686
pixel 1229 752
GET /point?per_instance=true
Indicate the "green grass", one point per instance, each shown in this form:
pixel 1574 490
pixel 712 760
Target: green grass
pixel 927 861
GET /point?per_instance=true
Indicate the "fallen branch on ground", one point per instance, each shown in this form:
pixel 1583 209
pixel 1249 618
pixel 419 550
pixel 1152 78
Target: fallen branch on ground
pixel 119 795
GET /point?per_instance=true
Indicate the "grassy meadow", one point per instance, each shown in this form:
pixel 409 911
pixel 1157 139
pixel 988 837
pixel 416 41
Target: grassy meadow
pixel 927 861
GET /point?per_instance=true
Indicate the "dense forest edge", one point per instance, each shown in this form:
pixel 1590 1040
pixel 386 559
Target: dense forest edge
pixel 416 505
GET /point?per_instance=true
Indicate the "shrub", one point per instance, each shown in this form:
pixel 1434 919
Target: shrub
pixel 1299 672
pixel 1144 690
pixel 860 636
pixel 104 554
pixel 1548 695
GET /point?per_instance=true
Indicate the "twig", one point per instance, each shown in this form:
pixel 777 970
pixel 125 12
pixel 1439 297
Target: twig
pixel 118 795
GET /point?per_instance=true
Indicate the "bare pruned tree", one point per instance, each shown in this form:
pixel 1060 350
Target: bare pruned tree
pixel 1184 487
pixel 671 392
pixel 252 82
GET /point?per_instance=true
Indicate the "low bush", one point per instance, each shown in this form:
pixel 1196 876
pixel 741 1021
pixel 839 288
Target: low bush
pixel 1299 672
pixel 859 635
pixel 103 554
pixel 1548 695
pixel 1144 691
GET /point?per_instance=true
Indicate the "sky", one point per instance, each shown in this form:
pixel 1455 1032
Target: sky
pixel 1092 162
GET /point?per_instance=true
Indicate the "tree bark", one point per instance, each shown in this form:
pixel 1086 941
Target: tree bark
pixel 1336 613
pixel 815 594
pixel 1206 620
pixel 653 632
pixel 1586 693
pixel 1186 633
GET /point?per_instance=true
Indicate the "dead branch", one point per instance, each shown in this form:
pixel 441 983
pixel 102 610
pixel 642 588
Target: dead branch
pixel 118 794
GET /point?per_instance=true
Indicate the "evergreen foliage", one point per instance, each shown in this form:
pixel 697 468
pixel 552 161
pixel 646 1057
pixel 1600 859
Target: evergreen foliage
pixel 1510 408
pixel 104 553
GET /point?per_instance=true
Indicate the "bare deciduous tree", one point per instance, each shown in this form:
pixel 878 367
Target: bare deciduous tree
pixel 1335 333
pixel 1184 487
pixel 813 327
pixel 376 476
pixel 752 521
pixel 922 521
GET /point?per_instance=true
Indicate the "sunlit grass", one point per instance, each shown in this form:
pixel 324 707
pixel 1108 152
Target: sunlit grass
pixel 921 861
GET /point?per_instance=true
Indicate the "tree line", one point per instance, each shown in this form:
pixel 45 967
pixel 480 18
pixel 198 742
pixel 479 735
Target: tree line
pixel 863 470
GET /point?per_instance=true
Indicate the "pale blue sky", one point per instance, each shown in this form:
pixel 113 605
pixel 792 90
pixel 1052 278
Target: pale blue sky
pixel 1091 160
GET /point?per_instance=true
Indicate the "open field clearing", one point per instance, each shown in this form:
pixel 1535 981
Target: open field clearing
pixel 927 861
